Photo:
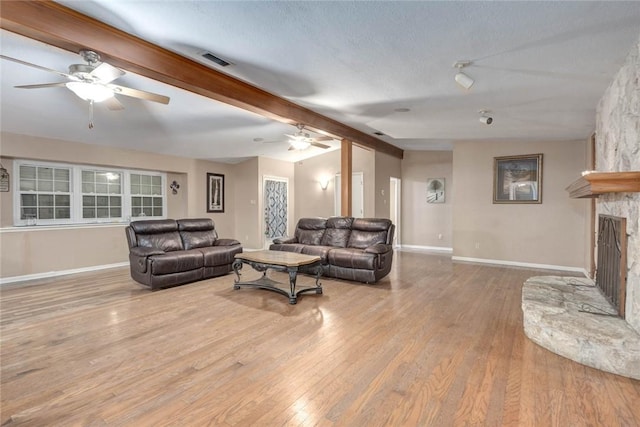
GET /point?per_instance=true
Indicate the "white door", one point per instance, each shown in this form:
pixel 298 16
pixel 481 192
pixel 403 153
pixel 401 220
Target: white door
pixel 357 195
pixel 394 208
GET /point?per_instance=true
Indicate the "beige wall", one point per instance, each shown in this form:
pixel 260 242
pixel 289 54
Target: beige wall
pixel 246 206
pixel 551 233
pixel 49 249
pixel 422 222
pixel 312 201
pixel 386 166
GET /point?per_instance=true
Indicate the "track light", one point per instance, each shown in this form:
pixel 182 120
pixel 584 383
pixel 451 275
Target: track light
pixel 485 117
pixel 461 78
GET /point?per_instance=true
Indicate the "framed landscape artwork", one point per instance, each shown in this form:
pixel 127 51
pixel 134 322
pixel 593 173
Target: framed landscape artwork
pixel 215 192
pixel 435 190
pixel 517 179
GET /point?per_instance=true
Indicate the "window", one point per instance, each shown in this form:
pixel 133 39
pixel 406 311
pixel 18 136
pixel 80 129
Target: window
pixel 45 193
pixel 146 195
pixel 48 193
pixel 101 195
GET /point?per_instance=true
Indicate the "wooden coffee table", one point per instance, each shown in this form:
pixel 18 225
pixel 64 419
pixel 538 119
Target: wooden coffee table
pixel 288 262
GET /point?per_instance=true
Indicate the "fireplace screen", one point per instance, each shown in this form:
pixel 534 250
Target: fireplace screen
pixel 611 271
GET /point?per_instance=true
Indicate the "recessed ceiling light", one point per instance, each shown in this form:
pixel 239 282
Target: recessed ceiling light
pixel 258 139
pixel 402 110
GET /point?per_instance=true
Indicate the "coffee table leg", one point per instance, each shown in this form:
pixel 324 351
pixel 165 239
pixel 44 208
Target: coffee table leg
pixel 293 298
pixel 237 266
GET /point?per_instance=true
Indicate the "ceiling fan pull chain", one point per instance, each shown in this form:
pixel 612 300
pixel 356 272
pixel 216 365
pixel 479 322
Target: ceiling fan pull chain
pixel 91 114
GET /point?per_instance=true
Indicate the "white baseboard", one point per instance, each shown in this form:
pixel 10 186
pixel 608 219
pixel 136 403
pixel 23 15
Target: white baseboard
pixel 438 249
pixel 49 274
pixel 521 264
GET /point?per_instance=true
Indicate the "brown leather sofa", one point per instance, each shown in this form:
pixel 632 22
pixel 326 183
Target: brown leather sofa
pixel 168 252
pixel 358 249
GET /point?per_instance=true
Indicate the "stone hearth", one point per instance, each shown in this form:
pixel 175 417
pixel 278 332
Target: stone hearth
pixel 570 317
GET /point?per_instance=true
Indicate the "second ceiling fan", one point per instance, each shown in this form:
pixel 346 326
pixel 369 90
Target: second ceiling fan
pixel 301 140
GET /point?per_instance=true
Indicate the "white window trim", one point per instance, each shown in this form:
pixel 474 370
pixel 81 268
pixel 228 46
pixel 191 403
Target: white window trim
pixel 76 194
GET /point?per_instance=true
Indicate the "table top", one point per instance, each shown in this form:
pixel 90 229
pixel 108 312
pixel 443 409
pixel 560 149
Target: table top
pixel 287 259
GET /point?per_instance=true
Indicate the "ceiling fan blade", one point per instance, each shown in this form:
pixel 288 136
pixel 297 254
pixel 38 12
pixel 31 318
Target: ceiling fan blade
pixel 317 144
pixel 39 67
pixel 291 148
pixel 107 73
pixel 323 138
pixel 43 85
pixel 141 94
pixel 113 104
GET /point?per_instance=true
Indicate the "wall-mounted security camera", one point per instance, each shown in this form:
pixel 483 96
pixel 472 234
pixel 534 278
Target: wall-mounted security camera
pixel 485 117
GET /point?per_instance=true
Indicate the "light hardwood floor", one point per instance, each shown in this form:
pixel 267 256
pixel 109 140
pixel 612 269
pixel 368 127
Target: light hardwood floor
pixel 435 343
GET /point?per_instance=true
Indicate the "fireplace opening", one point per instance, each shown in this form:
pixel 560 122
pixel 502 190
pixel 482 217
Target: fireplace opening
pixel 611 268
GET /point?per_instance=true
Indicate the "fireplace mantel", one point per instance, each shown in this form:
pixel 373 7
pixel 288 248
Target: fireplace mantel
pixel 592 184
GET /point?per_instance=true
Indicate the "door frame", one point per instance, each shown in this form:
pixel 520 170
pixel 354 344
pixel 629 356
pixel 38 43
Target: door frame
pixel 265 241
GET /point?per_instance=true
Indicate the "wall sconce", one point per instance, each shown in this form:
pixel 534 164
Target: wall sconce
pixel 4 179
pixel 174 187
pixel 324 183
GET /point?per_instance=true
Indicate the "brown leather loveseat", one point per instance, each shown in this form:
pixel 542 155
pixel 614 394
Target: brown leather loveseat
pixel 168 252
pixel 359 249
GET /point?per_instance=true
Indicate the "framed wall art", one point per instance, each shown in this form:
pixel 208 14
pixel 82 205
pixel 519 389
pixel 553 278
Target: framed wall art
pixel 517 179
pixel 435 190
pixel 215 192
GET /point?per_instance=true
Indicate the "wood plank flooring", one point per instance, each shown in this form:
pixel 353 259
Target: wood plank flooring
pixel 436 343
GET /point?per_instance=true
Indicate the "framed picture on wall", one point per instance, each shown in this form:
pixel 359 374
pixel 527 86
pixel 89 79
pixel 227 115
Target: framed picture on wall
pixel 435 190
pixel 215 192
pixel 517 179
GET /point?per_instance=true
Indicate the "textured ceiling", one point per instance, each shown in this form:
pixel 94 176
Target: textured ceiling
pixel 539 67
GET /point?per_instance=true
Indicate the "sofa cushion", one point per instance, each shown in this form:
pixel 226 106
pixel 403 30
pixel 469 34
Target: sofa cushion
pixel 287 247
pixel 309 231
pixel 321 251
pixel 159 234
pixel 337 232
pixel 176 261
pixel 352 258
pixel 368 231
pixel 219 255
pixel 197 232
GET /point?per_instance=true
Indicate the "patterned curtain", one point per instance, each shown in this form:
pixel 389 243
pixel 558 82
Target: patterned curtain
pixel 275 211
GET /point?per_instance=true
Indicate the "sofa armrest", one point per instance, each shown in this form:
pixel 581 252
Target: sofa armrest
pixel 378 248
pixel 145 252
pixel 225 242
pixel 284 239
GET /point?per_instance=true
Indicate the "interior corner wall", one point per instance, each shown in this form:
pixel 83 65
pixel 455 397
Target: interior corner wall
pixel 550 234
pixel 312 201
pixel 247 221
pixel 46 250
pixel 386 167
pixel 423 223
pixel 618 150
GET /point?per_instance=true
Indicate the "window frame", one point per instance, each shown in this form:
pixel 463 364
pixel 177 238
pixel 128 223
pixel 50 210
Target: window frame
pixel 76 194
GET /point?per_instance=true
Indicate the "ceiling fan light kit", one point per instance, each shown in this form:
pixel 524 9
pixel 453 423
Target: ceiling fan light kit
pixel 461 78
pixel 92 82
pixel 90 91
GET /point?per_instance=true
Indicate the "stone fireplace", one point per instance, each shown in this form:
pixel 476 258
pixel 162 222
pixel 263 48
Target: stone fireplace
pixel 569 315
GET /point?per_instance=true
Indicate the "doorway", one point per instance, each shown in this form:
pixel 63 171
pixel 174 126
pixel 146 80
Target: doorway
pixel 357 195
pixel 276 197
pixel 394 208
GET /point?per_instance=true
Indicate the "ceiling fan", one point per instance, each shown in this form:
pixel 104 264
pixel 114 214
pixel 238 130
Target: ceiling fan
pixel 92 82
pixel 301 140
